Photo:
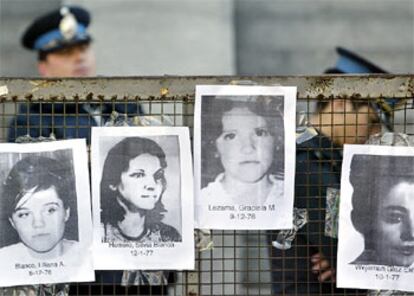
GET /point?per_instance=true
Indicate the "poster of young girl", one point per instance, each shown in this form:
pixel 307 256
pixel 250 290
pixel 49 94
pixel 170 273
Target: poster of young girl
pixel 376 218
pixel 142 198
pixel 45 218
pixel 244 156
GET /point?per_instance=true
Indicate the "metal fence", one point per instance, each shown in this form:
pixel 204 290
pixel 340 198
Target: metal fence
pixel 239 262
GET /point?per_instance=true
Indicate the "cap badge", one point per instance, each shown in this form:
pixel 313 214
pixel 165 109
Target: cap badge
pixel 68 25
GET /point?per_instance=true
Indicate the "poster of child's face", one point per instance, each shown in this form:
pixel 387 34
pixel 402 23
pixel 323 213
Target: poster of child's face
pixel 377 218
pixel 41 213
pixel 244 179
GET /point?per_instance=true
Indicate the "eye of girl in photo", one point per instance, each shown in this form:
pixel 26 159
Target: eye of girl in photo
pixel 37 196
pixel 132 187
pixel 242 149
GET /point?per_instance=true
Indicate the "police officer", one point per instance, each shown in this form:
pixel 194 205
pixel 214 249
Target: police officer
pixel 308 267
pixel 63 44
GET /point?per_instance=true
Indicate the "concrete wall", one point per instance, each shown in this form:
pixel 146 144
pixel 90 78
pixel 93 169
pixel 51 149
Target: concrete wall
pixel 157 37
pixel 217 37
pixel 299 36
pixel 146 37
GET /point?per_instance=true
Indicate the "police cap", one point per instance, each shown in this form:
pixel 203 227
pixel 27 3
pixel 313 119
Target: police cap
pixel 350 62
pixel 58 29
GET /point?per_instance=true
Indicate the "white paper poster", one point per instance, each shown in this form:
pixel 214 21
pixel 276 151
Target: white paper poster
pixel 45 212
pixel 142 198
pixel 376 222
pixel 244 156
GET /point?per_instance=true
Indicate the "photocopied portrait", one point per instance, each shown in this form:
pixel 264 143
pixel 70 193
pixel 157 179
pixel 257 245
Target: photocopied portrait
pixel 41 210
pixel 376 234
pixel 143 203
pixel 243 175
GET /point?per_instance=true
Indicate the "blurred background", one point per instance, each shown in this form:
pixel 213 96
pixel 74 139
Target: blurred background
pixel 224 37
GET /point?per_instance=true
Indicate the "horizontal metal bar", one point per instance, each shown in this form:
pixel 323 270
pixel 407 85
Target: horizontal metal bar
pixel 183 87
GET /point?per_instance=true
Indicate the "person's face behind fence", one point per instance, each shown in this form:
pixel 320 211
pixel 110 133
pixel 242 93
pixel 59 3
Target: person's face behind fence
pixel 142 183
pixel 348 123
pixel 245 146
pixel 39 219
pixel 73 61
pixel 395 226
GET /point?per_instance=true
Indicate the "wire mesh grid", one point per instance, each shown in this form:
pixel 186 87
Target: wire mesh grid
pixel 241 262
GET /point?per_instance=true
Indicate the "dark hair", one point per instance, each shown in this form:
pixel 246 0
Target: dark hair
pixel 117 162
pixel 372 178
pixel 213 110
pixel 322 105
pixel 39 173
pixel 42 54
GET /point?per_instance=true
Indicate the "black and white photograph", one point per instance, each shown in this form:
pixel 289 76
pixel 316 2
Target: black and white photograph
pixel 142 198
pixel 376 226
pixel 45 200
pixel 244 138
